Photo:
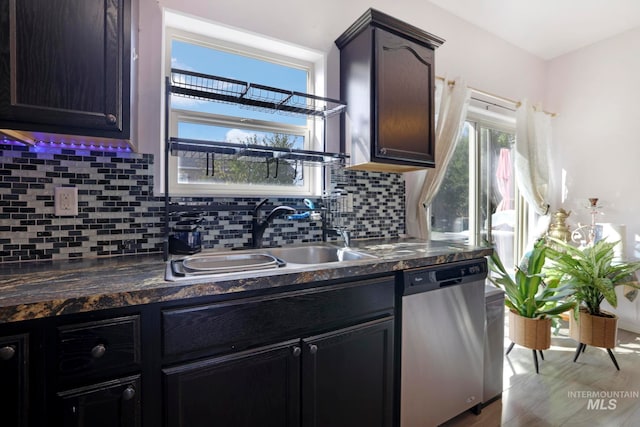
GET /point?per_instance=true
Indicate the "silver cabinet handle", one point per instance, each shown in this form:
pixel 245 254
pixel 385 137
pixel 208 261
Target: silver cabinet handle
pixel 313 349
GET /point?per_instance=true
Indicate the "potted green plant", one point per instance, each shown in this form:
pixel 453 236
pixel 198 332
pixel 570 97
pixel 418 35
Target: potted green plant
pixel 532 302
pixel 594 275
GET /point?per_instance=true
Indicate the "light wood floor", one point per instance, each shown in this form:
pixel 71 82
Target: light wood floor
pixel 550 397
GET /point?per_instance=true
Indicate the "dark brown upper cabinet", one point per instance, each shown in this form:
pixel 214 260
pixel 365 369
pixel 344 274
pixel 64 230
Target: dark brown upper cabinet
pixel 387 80
pixel 65 67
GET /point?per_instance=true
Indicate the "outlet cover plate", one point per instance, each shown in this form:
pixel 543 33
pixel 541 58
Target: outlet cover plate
pixel 66 201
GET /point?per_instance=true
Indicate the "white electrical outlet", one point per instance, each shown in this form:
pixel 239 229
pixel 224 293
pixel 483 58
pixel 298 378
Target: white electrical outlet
pixel 66 201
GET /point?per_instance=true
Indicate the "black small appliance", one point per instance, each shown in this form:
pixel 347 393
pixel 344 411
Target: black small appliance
pixel 186 238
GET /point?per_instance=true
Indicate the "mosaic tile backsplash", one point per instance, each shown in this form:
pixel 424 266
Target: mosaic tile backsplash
pixel 118 213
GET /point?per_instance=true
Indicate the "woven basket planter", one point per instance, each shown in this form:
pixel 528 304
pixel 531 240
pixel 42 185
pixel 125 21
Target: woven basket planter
pixel 530 333
pixel 596 331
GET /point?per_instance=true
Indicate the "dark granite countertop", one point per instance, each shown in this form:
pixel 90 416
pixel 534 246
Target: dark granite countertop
pixel 51 288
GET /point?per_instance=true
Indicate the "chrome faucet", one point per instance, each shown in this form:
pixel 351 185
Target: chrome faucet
pixel 258 227
pixel 341 232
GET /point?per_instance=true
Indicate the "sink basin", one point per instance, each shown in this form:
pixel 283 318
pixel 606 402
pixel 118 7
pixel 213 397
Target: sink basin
pixel 317 254
pixel 223 263
pixel 214 264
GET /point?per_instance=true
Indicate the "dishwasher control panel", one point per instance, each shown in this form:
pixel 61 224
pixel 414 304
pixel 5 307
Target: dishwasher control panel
pixel 443 275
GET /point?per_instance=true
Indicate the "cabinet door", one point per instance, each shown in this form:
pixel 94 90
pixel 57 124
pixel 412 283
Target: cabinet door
pixel 14 381
pixel 259 387
pixel 65 66
pixel 109 404
pixel 404 99
pixel 347 377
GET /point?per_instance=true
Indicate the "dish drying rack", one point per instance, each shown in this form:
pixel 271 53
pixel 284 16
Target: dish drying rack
pixel 223 89
pixel 212 151
pixel 256 96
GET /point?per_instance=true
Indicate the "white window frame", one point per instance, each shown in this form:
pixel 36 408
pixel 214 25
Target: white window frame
pixel 495 119
pixel 221 37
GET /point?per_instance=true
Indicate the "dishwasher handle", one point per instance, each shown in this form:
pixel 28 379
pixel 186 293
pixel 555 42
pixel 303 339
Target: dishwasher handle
pixel 451 282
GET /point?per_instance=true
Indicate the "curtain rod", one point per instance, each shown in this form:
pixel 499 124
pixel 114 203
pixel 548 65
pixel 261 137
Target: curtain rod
pixel 494 104
pixel 516 104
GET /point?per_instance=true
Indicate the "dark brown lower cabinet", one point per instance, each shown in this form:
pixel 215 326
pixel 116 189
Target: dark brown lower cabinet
pixel 342 378
pixel 114 403
pixel 260 387
pixel 321 356
pixel 347 377
pixel 14 381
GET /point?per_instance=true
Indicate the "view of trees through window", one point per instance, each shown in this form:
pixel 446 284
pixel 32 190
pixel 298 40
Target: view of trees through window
pixel 230 123
pixel 450 207
pixel 245 167
pixel 482 194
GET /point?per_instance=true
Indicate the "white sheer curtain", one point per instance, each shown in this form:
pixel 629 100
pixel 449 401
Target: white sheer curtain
pixel 532 158
pixel 533 142
pixel 421 186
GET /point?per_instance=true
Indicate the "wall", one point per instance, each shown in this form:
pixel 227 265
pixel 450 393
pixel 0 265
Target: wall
pixel 595 91
pixel 485 61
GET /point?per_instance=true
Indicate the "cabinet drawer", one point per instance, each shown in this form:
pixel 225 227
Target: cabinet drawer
pixel 236 325
pixel 98 349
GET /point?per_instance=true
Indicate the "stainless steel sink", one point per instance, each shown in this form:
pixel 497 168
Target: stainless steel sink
pixel 316 254
pixel 215 264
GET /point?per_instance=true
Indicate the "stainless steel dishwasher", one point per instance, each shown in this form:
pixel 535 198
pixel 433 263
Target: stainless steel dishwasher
pixel 442 334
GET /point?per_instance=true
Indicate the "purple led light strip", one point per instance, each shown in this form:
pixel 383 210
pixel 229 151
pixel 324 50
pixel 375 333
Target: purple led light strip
pixel 43 145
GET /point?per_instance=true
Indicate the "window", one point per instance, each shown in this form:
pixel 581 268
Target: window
pixel 477 198
pixel 219 51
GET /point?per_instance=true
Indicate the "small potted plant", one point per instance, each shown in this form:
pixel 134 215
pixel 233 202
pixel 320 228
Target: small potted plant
pixel 532 303
pixel 593 275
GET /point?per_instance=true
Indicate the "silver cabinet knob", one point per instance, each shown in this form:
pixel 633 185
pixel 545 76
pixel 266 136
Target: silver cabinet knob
pixel 111 119
pixel 98 351
pixel 128 393
pixel 7 352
